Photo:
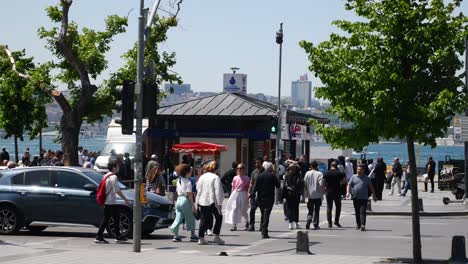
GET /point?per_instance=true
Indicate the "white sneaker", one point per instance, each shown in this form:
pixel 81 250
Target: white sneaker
pixel 291 226
pixel 209 232
pixel 298 226
pixel 390 193
pixel 218 240
pixel 202 241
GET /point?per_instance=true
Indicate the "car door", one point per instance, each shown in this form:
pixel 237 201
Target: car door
pixel 74 204
pixel 38 195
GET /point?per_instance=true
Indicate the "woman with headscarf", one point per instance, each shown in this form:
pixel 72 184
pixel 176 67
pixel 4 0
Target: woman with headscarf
pixel 293 186
pixel 238 203
pixel 379 172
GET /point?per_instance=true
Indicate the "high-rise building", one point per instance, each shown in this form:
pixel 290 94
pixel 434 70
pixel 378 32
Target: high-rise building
pixel 301 92
pixel 177 88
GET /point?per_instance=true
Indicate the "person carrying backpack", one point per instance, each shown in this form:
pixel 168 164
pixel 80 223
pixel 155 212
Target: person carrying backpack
pixel 109 189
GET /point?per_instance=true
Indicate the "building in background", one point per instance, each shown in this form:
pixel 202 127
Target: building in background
pixel 178 88
pixel 301 92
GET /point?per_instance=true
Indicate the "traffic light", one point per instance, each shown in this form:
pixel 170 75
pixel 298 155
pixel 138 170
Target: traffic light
pixel 150 99
pixel 126 104
pixel 273 129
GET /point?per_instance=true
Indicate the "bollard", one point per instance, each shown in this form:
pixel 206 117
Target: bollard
pixel 420 205
pixel 302 244
pixel 458 250
pixel 369 205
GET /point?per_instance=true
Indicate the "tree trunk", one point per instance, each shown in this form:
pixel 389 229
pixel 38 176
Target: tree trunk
pixel 16 150
pixel 417 257
pixel 70 126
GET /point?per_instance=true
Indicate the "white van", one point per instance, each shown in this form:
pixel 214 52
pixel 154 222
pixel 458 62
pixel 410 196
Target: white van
pixel 118 142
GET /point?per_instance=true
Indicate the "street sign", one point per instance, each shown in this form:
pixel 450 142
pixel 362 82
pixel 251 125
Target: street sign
pixel 464 128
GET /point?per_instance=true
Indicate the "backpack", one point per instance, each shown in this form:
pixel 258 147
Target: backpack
pixel 101 195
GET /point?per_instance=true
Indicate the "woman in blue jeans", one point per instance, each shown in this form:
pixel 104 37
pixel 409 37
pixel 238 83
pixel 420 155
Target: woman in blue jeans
pixel 185 206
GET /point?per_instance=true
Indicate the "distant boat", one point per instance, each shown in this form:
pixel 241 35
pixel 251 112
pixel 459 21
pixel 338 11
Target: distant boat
pixel 389 142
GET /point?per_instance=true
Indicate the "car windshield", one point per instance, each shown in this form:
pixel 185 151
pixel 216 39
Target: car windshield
pixel 119 147
pixel 97 177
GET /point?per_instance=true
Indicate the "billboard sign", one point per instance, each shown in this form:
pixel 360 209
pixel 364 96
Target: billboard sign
pixel 235 83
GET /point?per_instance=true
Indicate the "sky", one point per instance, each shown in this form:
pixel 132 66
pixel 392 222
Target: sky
pixel 212 36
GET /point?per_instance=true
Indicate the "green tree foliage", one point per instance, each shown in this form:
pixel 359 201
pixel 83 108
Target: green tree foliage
pixel 24 92
pixel 162 61
pixel 81 55
pixel 394 73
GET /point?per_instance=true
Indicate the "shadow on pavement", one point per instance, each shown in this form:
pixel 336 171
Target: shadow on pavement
pixel 408 261
pixel 266 253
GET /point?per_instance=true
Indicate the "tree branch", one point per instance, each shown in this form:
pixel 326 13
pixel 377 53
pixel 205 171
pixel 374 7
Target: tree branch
pixel 13 64
pixel 65 49
pixel 57 95
pixel 178 7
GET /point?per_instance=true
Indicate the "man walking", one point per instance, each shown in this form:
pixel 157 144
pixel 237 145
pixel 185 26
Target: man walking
pixel 358 188
pixel 430 170
pixel 253 199
pixel 332 181
pixel 264 189
pixel 111 209
pixel 313 190
pixel 397 171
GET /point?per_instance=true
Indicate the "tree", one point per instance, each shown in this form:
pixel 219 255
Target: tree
pixel 394 73
pixel 24 92
pixel 81 56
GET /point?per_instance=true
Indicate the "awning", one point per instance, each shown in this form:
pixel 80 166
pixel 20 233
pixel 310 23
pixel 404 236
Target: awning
pixel 198 148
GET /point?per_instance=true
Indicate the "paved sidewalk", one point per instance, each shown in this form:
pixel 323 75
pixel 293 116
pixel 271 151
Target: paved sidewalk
pixel 21 255
pixel 432 203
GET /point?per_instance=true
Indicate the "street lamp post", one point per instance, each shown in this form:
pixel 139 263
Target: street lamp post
pixel 279 40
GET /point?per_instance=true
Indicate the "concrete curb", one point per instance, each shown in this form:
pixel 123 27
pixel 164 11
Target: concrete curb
pixel 453 213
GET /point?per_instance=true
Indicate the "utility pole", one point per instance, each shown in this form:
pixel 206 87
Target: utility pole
pixel 279 40
pixel 139 130
pixel 466 116
pixel 143 34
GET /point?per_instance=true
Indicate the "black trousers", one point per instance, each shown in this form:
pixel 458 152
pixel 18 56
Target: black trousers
pixel 431 178
pixel 114 212
pixel 314 211
pixel 293 208
pixel 360 206
pixel 206 220
pixel 265 210
pixel 333 197
pixel 253 208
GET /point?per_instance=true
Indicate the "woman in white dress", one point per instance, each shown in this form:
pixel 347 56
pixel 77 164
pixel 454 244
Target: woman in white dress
pixel 238 203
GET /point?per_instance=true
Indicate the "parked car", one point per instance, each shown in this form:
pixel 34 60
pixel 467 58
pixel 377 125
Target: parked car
pixel 38 197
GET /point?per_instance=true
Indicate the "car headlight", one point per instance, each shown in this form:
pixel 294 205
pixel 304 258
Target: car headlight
pixel 151 205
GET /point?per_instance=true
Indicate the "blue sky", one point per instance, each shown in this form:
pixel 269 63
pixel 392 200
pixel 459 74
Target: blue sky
pixel 213 35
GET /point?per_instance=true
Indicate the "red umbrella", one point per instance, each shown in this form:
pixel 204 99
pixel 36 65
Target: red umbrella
pixel 198 148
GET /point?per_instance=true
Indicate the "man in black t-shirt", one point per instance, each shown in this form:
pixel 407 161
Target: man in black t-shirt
pixel 332 181
pixel 430 170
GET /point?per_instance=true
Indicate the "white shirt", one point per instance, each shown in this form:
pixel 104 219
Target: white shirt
pixel 349 170
pixel 80 158
pixel 209 190
pixel 112 187
pixel 184 186
pixel 313 182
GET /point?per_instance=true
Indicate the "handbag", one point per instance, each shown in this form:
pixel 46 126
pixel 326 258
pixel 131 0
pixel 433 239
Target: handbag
pixel 196 214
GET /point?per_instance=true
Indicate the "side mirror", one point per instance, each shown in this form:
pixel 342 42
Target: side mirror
pixel 90 187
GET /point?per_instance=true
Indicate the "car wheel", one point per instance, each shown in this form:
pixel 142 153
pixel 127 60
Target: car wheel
pixel 126 225
pixel 36 229
pixel 10 221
